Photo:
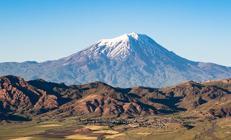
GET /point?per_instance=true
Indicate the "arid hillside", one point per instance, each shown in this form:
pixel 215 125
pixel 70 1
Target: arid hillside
pixel 24 100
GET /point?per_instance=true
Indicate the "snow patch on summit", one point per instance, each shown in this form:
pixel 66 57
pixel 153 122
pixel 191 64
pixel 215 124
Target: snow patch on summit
pixel 128 44
pixel 131 45
pixel 122 38
pixel 117 47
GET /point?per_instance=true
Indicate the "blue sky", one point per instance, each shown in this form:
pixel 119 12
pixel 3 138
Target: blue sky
pixel 42 30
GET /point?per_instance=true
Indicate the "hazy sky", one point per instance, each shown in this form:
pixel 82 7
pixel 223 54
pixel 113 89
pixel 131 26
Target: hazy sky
pixel 42 30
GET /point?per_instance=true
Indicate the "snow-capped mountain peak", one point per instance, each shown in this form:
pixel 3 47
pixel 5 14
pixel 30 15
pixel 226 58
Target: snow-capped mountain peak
pixel 122 38
pixel 115 48
pixel 124 45
pixel 118 47
pixel 128 60
pixel 131 46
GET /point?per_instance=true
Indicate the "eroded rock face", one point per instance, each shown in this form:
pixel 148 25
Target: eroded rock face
pixel 196 94
pixel 98 99
pixel 221 112
pixel 225 84
pixel 17 96
pixel 104 105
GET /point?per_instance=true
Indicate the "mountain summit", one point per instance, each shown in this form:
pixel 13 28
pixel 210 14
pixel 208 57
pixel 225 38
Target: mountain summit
pixel 126 45
pixel 128 60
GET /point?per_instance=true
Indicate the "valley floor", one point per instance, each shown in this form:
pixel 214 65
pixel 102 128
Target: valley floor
pixel 160 129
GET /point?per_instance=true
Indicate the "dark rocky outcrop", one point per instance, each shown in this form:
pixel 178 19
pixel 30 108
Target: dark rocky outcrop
pixel 22 100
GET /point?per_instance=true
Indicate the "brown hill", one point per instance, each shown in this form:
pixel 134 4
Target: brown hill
pixel 18 96
pixel 20 99
pixel 208 99
pixel 226 83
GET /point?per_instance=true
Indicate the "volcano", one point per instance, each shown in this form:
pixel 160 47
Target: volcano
pixel 126 61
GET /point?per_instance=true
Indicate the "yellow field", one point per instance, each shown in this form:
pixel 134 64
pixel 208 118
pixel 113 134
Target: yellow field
pixel 80 137
pixel 49 125
pixel 143 133
pixel 22 138
pixel 114 136
pixel 106 132
pixel 95 127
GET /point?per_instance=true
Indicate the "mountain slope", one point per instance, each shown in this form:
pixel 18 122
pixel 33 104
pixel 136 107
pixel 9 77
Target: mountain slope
pixel 128 60
pixel 21 100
